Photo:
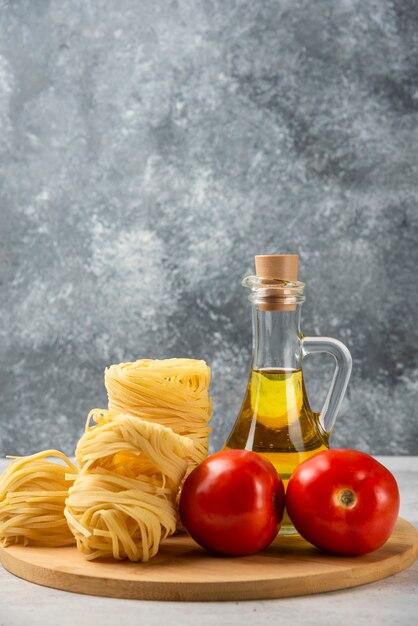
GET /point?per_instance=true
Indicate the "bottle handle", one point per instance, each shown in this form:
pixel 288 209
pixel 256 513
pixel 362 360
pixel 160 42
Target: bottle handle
pixel 342 371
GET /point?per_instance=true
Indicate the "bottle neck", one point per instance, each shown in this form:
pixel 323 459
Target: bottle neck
pixel 276 339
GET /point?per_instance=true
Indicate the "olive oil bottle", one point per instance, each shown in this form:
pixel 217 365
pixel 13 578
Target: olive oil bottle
pixel 275 419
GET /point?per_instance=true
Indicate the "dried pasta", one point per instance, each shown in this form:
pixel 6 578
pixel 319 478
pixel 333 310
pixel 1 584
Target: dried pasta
pixel 122 503
pixel 171 392
pixel 33 490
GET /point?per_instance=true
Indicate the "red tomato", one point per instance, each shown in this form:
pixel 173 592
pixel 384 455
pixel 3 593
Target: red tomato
pixel 343 501
pixel 233 503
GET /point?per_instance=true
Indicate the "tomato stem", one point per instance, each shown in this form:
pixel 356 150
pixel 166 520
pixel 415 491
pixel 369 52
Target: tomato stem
pixel 347 498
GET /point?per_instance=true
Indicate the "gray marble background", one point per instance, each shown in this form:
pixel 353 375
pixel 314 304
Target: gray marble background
pixel 149 149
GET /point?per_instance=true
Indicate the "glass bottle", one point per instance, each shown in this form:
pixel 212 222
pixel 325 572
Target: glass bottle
pixel 275 419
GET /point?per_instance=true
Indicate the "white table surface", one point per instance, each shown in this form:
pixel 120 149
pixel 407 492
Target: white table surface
pixel 392 601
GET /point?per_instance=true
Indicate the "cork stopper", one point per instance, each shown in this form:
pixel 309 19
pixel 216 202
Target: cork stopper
pixel 279 266
pixel 276 267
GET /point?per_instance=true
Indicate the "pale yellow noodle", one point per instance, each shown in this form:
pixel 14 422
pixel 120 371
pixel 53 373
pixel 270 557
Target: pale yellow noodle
pixel 171 392
pixel 122 504
pixel 33 490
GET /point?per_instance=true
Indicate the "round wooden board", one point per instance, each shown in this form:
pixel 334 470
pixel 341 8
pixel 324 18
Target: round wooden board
pixel 184 571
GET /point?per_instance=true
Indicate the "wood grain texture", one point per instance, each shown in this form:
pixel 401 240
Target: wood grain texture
pixel 184 571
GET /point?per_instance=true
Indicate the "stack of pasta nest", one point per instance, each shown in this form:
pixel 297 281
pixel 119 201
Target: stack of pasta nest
pixel 120 499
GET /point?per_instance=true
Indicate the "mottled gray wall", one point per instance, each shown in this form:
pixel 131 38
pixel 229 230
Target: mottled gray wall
pixel 149 149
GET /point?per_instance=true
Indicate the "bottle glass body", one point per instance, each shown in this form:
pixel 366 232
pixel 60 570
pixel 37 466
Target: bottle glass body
pixel 275 419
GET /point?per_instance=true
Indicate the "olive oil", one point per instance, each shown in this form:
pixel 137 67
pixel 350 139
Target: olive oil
pixel 276 421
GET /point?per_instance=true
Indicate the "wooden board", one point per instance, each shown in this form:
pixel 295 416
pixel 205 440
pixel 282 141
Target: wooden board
pixel 184 571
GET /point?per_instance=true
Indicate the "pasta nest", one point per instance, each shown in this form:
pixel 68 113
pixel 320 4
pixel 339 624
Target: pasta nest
pixel 171 392
pixel 122 503
pixel 33 491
